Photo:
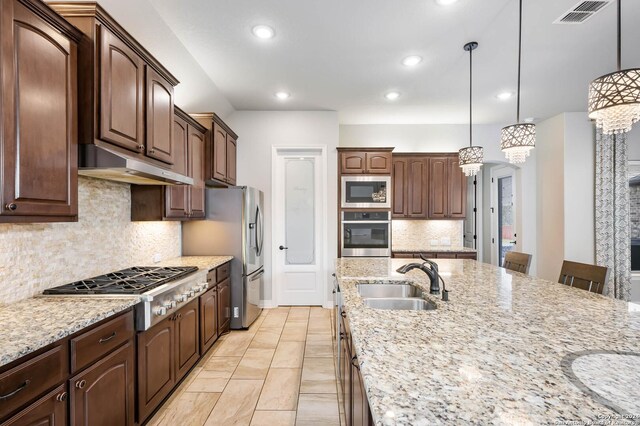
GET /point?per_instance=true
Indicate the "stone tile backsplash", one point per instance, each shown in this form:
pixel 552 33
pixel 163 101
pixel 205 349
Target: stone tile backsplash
pixel 35 257
pixel 419 233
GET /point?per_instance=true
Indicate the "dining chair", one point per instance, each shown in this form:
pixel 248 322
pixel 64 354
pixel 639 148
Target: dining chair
pixel 584 276
pixel 515 261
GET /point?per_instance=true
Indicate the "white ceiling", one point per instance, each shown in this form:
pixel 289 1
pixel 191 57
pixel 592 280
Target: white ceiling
pixel 344 55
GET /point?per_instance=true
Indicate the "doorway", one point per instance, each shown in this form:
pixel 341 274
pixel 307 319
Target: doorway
pixel 299 225
pixel 503 201
pixel 473 218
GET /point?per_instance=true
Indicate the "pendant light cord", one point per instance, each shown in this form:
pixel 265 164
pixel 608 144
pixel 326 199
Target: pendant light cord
pixel 520 62
pixel 470 97
pixel 619 35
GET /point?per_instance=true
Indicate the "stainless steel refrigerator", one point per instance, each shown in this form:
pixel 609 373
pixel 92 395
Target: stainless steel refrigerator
pixel 234 225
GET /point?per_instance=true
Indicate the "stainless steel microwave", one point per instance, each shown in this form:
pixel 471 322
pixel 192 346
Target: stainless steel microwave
pixel 366 192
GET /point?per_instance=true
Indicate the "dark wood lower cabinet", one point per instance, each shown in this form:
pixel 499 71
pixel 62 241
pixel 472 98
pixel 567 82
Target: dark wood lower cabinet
pixel 50 410
pixel 437 255
pixel 208 319
pixel 224 306
pixel 156 366
pixel 103 394
pixel 187 338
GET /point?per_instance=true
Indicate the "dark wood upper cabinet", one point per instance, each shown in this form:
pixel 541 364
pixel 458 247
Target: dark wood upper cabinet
pixel 160 119
pixel 122 93
pixel 221 151
pixel 410 190
pixel 38 113
pixel 400 188
pixel 125 95
pixel 365 161
pixel 438 190
pixel 197 149
pixel 457 183
pixel 104 393
pixel 176 197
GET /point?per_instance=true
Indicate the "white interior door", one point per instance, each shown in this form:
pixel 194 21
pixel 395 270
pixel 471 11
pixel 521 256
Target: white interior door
pixel 503 210
pixel 299 200
pixel 470 217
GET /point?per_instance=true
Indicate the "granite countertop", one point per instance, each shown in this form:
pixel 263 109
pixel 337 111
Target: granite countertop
pixel 202 262
pixel 34 323
pixel 499 352
pixel 431 249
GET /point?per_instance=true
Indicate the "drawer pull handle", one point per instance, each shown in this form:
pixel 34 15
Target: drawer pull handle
pixel 21 387
pixel 81 384
pixel 61 397
pixel 106 339
pixel 354 362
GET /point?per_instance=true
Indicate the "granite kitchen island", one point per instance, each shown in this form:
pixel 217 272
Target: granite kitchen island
pixel 500 351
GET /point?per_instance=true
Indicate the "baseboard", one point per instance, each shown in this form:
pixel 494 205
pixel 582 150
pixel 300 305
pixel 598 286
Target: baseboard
pixel 267 304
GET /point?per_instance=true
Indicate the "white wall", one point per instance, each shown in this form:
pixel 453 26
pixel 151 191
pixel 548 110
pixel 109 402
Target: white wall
pixel 450 138
pixel 258 132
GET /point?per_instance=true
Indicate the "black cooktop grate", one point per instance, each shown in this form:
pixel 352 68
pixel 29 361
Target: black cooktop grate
pixel 136 280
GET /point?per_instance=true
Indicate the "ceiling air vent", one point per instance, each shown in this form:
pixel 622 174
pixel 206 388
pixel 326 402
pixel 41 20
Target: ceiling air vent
pixel 582 11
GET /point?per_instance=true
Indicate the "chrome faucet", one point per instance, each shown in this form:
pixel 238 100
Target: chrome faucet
pixel 432 272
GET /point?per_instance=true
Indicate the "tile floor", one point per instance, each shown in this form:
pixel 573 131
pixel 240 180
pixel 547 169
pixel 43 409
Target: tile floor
pixel 279 372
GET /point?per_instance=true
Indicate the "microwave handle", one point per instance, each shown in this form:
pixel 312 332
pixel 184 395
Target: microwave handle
pixel 366 221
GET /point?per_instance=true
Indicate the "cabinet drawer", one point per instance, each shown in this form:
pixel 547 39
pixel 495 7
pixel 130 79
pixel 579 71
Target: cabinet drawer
pixel 211 278
pixel 223 271
pixel 32 378
pixel 50 410
pixel 94 344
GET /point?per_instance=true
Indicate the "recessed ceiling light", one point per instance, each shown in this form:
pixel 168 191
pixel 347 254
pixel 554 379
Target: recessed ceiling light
pixel 263 31
pixel 445 2
pixel 282 95
pixel 411 61
pixel 504 96
pixel 392 96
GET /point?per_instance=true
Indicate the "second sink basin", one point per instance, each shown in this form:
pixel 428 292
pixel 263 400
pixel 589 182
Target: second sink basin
pixel 400 303
pixel 388 290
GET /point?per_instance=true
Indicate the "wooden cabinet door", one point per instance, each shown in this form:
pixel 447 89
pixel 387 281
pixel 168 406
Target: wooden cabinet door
pixel 104 393
pixel 187 338
pixel 156 366
pixel 176 195
pixel 400 188
pixel 378 163
pixel 219 162
pixel 208 319
pixel 438 187
pixel 353 162
pixel 38 153
pixel 359 406
pixel 196 171
pixel 417 193
pixel 160 119
pixel 231 160
pixel 345 367
pixel 121 93
pixel 50 410
pixel 224 306
pixel 457 182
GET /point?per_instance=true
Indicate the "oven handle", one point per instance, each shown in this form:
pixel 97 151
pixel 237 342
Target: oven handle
pixel 366 221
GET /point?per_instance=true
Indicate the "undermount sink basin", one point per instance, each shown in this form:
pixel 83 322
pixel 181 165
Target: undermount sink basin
pixel 400 303
pixel 375 290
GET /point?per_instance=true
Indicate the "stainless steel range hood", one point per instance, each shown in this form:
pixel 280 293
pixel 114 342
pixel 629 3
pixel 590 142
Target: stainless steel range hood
pixel 103 163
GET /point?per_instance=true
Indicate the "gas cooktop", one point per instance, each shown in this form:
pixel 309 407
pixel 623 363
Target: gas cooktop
pixel 135 280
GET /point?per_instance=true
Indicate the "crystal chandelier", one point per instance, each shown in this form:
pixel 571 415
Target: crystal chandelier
pixel 614 99
pixel 517 140
pixel 471 158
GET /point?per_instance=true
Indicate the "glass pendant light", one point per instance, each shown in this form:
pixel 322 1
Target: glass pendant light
pixel 517 140
pixel 614 99
pixel 472 157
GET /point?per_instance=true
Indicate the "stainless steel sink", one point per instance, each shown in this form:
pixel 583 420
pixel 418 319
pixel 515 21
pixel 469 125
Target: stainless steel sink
pixel 375 290
pixel 400 303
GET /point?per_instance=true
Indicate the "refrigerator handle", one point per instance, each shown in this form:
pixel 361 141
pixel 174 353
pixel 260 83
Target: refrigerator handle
pixel 259 231
pixel 257 275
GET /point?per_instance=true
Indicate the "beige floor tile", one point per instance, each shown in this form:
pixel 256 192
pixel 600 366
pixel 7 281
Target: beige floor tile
pixel 293 332
pixel 298 313
pixel 207 381
pixel 319 312
pixel 221 366
pixel 235 344
pixel 254 364
pixel 236 404
pixel 274 321
pixel 266 338
pixel 280 391
pixel 318 349
pixel 318 409
pixel 288 355
pixel 320 338
pixel 190 409
pixel 318 376
pixel 319 326
pixel 274 418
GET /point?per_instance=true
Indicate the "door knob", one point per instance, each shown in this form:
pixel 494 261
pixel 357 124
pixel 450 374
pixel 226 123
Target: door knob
pixel 283 248
pixel 11 206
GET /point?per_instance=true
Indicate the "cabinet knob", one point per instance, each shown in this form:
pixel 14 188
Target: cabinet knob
pixel 80 384
pixel 140 147
pixel 151 151
pixel 61 397
pixel 11 206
